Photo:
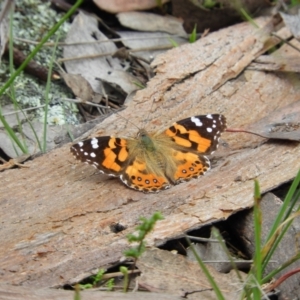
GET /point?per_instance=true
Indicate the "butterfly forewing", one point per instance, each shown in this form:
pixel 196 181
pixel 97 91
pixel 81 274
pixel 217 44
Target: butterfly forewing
pixel 108 154
pixel 199 133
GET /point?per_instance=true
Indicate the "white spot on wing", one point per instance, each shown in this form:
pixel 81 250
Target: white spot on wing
pixel 196 121
pixel 208 129
pixel 94 143
pixel 209 116
pixel 124 180
pixel 85 153
pixel 92 154
pixel 80 144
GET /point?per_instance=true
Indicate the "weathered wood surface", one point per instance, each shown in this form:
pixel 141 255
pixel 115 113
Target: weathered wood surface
pixel 56 215
pixel 9 292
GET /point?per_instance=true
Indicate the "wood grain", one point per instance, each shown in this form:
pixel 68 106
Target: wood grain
pixel 56 214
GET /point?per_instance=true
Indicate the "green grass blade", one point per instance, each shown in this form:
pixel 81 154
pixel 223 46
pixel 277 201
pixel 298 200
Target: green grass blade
pixel 257 261
pixel 9 130
pixel 282 229
pixel 248 17
pixel 13 97
pixel 66 125
pixel 40 45
pixel 124 271
pixel 271 275
pixel 216 234
pixel 285 205
pixel 7 127
pixel 11 69
pixel 206 272
pixel 173 42
pixel 193 35
pixel 282 215
pixel 11 133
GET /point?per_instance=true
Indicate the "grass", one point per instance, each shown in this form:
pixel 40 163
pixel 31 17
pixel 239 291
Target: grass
pixel 143 229
pixel 20 143
pixel 133 253
pixel 253 286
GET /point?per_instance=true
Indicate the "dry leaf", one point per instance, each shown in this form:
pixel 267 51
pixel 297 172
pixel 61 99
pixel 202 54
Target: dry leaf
pixel 276 63
pixel 150 44
pixel 293 23
pixel 7 5
pixel 282 124
pixel 84 29
pixel 151 22
pixel 125 81
pixel 115 6
pixel 79 86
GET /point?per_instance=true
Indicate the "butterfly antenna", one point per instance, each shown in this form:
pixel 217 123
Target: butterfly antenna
pixel 124 118
pixel 146 120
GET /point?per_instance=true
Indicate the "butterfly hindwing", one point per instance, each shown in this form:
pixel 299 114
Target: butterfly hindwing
pixel 137 176
pixel 189 165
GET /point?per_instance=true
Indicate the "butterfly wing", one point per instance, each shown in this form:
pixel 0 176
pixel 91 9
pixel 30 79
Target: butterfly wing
pixel 193 138
pixel 106 153
pixel 139 176
pixel 150 163
pixel 198 134
pixel 118 157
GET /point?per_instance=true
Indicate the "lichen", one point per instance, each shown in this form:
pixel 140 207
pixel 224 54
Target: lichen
pixel 32 19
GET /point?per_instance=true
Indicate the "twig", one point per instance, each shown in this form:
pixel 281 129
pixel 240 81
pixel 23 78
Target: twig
pixel 90 103
pixel 110 53
pixel 51 44
pixel 25 109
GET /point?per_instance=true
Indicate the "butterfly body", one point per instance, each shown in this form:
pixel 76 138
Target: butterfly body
pixel 152 162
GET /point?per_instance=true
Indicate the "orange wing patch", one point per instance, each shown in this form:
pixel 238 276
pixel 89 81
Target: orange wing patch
pixel 186 138
pixel 139 178
pixel 203 143
pixel 113 154
pixel 190 165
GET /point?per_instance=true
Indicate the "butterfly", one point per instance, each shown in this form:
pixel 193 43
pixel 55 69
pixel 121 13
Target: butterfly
pixel 154 162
